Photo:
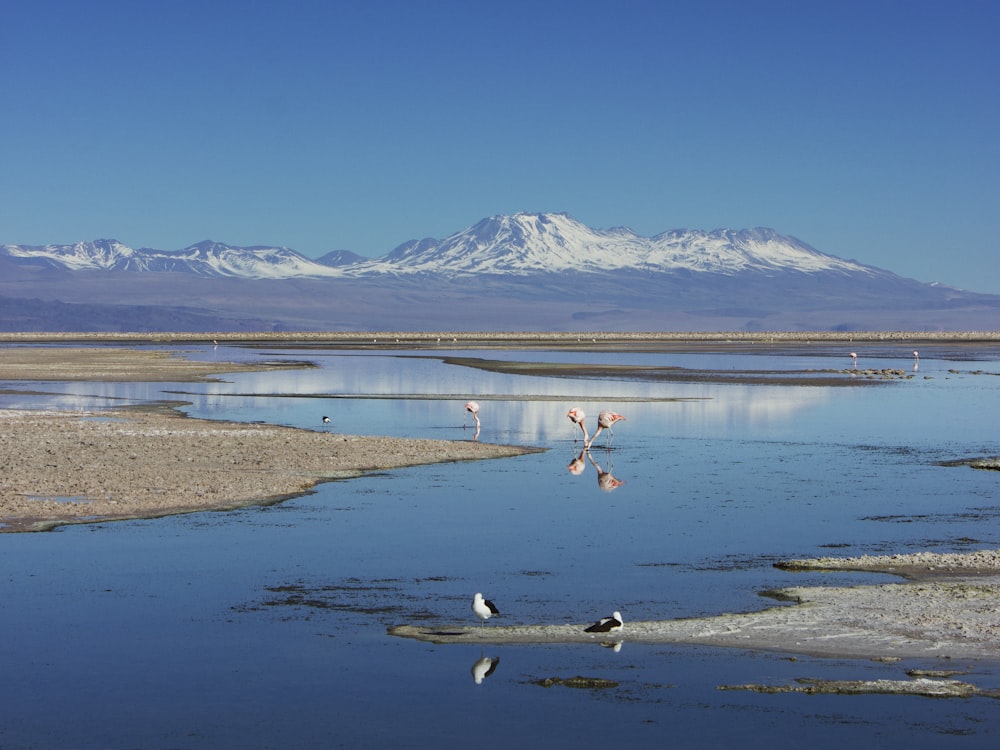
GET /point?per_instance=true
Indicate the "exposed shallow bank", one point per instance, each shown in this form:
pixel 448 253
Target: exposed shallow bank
pixel 59 468
pixel 118 365
pixel 932 616
pixel 684 340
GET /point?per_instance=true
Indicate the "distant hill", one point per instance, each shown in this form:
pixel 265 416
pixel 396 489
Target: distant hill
pixel 519 272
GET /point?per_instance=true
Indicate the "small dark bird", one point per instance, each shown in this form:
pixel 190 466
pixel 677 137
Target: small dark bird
pixel 606 624
pixel 326 420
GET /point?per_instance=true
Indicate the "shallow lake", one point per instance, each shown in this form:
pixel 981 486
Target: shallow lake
pixel 266 627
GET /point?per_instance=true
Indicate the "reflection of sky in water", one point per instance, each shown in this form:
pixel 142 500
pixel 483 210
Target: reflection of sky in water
pixel 716 487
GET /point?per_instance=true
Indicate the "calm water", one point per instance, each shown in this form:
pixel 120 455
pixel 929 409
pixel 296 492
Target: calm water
pixel 266 627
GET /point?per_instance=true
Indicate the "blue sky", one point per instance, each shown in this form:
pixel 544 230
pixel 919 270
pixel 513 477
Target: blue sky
pixel 867 129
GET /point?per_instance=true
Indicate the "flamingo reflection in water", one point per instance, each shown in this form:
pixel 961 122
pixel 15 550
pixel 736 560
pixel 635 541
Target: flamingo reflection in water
pixel 606 481
pixel 604 421
pixel 577 466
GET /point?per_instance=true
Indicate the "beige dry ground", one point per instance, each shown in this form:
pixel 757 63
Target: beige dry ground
pixel 950 608
pixel 72 467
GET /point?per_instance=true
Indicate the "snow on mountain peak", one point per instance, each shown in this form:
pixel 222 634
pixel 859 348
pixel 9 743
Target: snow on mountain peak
pixel 516 244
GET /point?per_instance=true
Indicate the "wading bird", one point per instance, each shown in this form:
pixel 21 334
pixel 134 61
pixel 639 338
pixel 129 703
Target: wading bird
pixel 473 408
pixel 604 421
pixel 576 416
pixel 606 624
pixel 484 608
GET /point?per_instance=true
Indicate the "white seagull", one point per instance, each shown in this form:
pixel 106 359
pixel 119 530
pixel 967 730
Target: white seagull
pixel 606 624
pixel 484 608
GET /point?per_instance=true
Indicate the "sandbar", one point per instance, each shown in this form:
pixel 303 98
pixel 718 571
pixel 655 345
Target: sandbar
pixel 148 461
pixel 946 609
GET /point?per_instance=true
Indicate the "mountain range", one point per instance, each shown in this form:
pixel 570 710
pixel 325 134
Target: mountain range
pixel 528 271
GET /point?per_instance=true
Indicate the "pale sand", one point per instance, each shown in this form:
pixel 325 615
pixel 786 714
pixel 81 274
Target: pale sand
pixel 61 468
pixel 950 610
pixel 78 467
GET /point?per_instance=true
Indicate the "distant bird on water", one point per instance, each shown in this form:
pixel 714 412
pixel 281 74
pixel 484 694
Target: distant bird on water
pixel 484 608
pixel 604 421
pixel 576 416
pixel 326 419
pixel 606 624
pixel 854 356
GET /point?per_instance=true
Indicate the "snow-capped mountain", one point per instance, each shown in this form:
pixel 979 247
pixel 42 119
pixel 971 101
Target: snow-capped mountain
pixel 553 243
pixel 544 272
pixel 203 259
pixel 521 244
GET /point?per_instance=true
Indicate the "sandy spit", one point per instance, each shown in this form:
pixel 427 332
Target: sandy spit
pixel 117 364
pixel 58 468
pixel 934 615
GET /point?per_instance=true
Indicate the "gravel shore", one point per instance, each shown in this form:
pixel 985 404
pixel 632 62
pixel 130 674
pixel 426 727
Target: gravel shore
pixel 59 468
pixel 931 616
pixel 78 467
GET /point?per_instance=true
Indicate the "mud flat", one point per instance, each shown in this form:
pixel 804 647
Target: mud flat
pixel 58 468
pixel 77 467
pixel 947 610
pixel 117 365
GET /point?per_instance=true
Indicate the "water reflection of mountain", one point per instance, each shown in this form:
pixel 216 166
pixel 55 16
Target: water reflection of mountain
pixel 424 397
pixel 427 393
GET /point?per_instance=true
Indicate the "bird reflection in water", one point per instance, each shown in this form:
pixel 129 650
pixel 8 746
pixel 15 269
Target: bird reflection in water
pixel 605 479
pixel 484 667
pixel 578 465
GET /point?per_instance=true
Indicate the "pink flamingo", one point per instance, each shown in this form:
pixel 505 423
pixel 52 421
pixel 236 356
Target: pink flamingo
pixel 854 356
pixel 576 416
pixel 604 421
pixel 473 408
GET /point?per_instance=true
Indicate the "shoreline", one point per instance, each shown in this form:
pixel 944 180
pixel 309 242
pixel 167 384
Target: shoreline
pixel 483 339
pixel 947 611
pixel 148 462
pixel 151 461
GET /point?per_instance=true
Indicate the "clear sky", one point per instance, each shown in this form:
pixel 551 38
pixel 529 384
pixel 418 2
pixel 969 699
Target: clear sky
pixel 867 128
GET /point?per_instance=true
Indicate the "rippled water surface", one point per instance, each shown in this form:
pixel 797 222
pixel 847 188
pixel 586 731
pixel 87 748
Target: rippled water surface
pixel 266 627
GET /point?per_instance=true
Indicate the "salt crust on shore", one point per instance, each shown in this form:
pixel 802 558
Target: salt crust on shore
pixel 951 609
pixel 58 468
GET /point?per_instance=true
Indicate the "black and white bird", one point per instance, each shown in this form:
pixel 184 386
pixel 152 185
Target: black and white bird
pixel 326 419
pixel 484 608
pixel 483 668
pixel 606 624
